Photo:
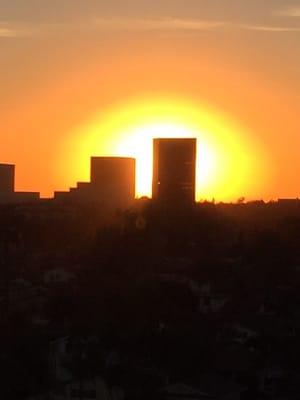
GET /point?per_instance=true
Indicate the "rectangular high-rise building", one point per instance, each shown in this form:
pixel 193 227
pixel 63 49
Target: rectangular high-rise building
pixel 7 179
pixel 113 180
pixel 174 171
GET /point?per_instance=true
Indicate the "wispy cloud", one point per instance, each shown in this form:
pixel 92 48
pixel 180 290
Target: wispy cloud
pixel 7 33
pixel 108 24
pixel 183 25
pixel 13 31
pixel 115 24
pixel 270 28
pixel 155 24
pixel 291 11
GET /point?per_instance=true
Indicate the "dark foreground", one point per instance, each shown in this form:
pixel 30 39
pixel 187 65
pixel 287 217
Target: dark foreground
pixel 151 303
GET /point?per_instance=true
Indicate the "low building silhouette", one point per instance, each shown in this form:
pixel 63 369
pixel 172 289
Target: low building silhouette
pixel 113 179
pixel 25 197
pixel 7 187
pixel 112 184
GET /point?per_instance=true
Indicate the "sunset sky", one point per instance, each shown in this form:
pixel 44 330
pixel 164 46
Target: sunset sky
pixel 91 77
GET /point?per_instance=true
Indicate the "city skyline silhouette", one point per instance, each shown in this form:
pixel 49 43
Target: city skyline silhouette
pixel 177 154
pixel 149 200
pixel 96 75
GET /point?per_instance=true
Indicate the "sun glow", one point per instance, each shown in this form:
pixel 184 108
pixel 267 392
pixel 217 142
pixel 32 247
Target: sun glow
pixel 138 143
pixel 226 165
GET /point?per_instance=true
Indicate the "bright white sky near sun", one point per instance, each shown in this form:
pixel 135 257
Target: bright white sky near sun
pixel 65 64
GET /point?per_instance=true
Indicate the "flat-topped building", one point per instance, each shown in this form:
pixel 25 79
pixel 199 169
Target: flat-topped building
pixel 7 188
pixel 112 184
pixel 7 180
pixel 113 180
pixel 174 171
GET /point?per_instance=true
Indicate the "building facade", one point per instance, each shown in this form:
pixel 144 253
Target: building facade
pixel 113 180
pixel 7 179
pixel 174 171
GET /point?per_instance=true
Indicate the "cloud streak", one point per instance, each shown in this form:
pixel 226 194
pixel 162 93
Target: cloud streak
pixel 10 31
pixel 7 33
pixel 270 28
pixel 178 24
pixel 156 24
pixel 112 24
pixel 126 24
pixel 292 11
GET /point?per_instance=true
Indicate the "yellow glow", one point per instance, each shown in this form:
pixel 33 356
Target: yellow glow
pixel 227 161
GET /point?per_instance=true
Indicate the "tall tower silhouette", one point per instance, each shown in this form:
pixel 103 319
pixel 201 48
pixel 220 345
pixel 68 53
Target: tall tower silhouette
pixel 174 171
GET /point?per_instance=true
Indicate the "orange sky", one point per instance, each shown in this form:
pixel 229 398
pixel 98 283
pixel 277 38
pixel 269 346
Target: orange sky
pixel 58 76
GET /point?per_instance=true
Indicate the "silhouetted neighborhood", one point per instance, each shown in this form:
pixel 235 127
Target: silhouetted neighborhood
pixel 104 296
